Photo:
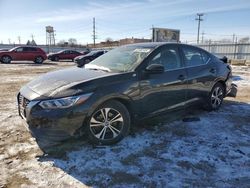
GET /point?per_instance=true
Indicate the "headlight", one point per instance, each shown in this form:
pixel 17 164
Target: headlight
pixel 64 102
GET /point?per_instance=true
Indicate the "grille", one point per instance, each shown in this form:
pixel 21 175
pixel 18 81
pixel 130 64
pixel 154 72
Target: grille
pixel 22 101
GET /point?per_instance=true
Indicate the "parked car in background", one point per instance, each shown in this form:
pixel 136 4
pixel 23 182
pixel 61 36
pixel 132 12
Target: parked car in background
pixel 64 55
pixel 4 49
pixel 23 53
pixel 84 59
pixel 85 52
pixel 128 83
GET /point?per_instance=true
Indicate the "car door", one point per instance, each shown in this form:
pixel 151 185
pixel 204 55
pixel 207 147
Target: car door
pixel 30 53
pixel 201 72
pixel 165 91
pixel 18 54
pixel 65 55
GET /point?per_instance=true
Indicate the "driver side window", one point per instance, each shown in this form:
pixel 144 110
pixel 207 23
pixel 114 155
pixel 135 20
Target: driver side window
pixel 19 50
pixel 168 57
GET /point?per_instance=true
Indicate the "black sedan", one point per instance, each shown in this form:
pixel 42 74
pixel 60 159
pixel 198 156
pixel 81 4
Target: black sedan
pixel 84 59
pixel 128 83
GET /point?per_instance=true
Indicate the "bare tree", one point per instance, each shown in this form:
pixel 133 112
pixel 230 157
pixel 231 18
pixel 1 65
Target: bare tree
pixel 72 42
pixel 62 43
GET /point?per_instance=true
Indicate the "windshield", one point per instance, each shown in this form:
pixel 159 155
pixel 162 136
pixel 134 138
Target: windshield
pixel 122 59
pixel 92 52
pixel 12 49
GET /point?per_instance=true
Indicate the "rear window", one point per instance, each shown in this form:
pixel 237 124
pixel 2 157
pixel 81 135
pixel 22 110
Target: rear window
pixel 194 56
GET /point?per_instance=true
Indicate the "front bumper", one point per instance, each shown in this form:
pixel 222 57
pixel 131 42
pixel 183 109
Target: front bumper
pixel 232 92
pixel 54 125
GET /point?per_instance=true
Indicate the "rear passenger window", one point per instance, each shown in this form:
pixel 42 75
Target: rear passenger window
pixel 29 49
pixel 205 56
pixel 168 57
pixel 194 57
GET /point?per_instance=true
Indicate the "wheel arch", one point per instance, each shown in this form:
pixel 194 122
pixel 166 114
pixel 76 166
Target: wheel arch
pixel 11 59
pixel 6 55
pixel 222 82
pixel 126 101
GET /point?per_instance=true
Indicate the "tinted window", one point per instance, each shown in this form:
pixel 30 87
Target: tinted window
pixel 19 49
pixel 205 56
pixel 29 49
pixel 194 57
pixel 168 57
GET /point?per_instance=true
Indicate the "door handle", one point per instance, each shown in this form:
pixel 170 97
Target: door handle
pixel 181 77
pixel 212 70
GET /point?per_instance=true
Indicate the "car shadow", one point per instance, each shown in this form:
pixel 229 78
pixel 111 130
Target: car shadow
pixel 71 153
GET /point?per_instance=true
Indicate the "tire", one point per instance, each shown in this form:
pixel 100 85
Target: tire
pixel 39 60
pixel 56 58
pixel 6 59
pixel 108 124
pixel 215 97
pixel 86 61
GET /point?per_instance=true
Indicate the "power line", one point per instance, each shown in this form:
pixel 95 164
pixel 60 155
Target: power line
pixel 199 19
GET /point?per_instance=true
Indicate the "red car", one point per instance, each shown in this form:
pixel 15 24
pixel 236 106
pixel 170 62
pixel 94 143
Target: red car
pixel 64 54
pixel 23 53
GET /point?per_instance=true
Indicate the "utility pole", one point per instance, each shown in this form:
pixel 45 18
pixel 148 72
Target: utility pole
pixel 234 37
pixel 19 39
pixel 199 19
pixel 202 38
pixel 152 33
pixel 94 35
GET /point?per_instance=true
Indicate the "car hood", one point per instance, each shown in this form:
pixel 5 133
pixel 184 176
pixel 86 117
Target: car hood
pixel 58 83
pixel 51 54
pixel 82 56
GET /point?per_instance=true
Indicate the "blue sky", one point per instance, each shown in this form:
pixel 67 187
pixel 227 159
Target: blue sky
pixel 119 19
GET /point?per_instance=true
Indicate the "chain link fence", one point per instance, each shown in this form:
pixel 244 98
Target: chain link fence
pixel 232 51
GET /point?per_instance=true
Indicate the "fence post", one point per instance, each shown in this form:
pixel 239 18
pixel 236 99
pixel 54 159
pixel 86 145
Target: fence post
pixel 235 47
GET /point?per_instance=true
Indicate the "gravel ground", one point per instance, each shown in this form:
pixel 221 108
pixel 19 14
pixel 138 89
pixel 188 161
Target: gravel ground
pixel 212 151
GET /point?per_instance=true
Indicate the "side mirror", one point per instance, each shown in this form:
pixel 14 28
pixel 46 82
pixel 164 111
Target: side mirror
pixel 224 59
pixel 155 69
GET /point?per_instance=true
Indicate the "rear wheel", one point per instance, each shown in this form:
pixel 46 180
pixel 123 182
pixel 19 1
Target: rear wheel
pixel 6 59
pixel 39 60
pixel 215 97
pixel 109 123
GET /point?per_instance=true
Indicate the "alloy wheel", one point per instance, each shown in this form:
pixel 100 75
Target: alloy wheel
pixel 6 59
pixel 39 60
pixel 216 97
pixel 106 124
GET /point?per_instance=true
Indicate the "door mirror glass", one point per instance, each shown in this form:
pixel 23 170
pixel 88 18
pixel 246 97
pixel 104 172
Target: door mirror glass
pixel 155 69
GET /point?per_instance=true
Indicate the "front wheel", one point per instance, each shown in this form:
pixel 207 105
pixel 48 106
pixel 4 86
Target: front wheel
pixel 109 123
pixel 6 59
pixel 215 97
